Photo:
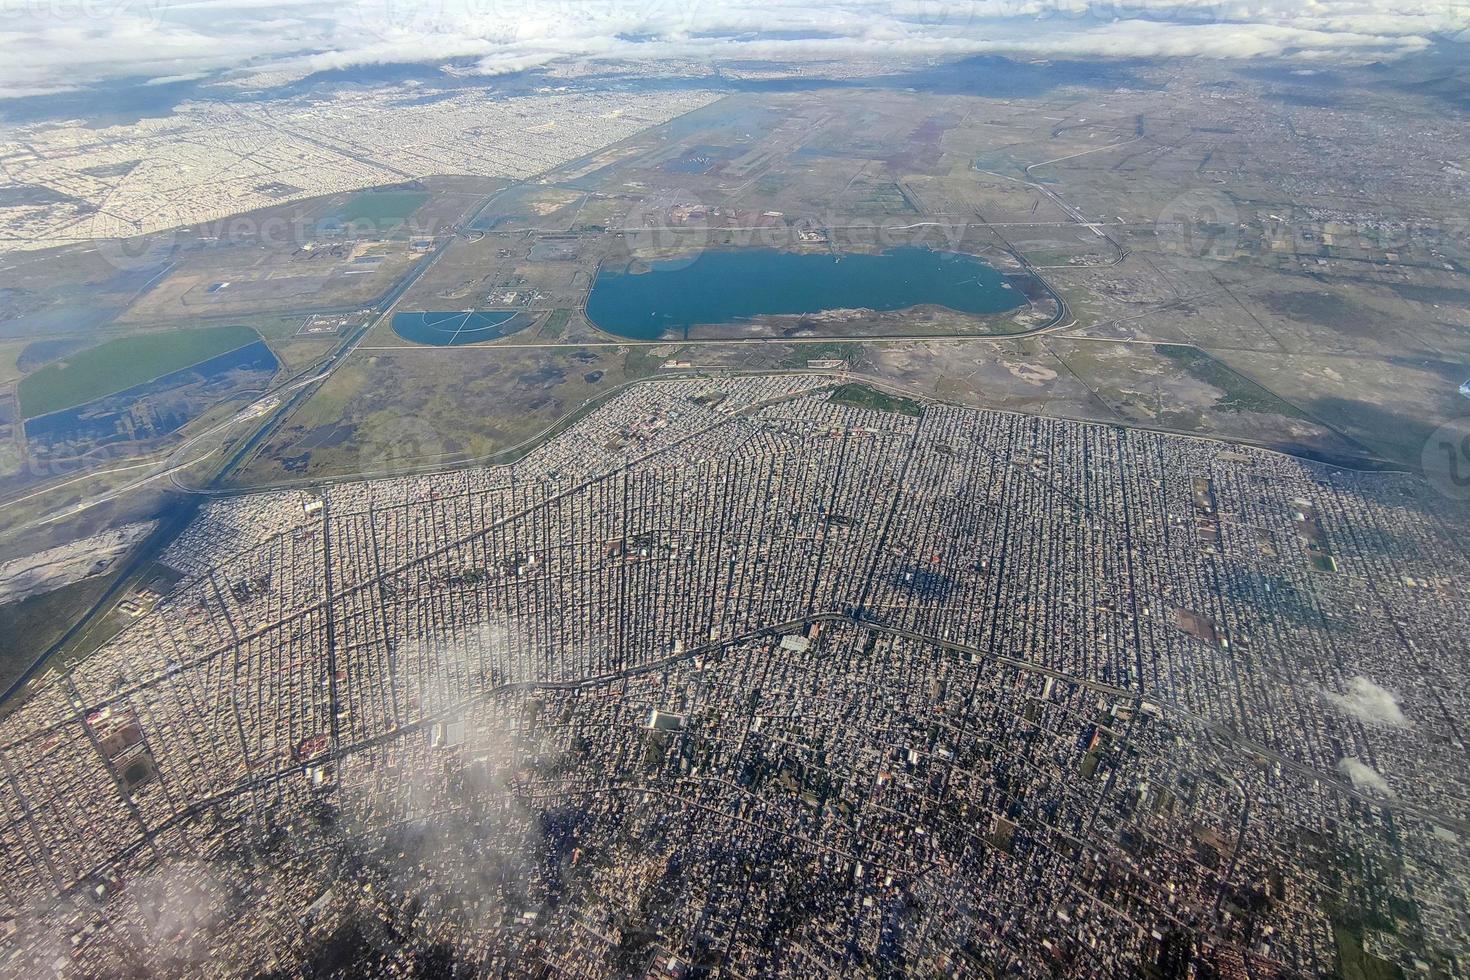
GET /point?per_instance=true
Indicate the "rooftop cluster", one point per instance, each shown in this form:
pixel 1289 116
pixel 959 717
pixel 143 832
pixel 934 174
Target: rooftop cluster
pixel 731 674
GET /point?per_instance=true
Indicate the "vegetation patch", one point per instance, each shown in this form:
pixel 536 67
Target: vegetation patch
pixel 30 626
pixel 1241 394
pixel 1356 963
pixel 802 355
pixel 39 353
pixel 862 396
pixel 120 364
pixel 555 324
pixel 1327 309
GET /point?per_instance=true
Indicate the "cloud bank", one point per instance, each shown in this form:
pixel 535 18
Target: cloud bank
pixel 61 45
pixel 1363 776
pixel 1369 703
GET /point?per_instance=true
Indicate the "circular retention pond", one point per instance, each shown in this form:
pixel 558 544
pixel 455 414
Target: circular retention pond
pixel 456 328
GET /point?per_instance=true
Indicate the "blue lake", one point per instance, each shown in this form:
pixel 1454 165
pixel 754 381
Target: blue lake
pixel 723 286
pixel 454 329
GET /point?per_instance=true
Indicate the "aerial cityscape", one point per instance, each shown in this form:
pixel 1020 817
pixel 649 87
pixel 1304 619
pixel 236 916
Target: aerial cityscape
pixel 841 489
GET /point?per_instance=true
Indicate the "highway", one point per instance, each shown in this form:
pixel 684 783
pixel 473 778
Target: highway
pixel 386 306
pixel 177 516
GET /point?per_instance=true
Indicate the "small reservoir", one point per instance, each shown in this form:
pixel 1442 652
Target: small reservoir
pixel 722 286
pixel 455 328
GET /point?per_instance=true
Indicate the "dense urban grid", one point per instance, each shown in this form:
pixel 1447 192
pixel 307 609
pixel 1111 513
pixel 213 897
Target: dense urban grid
pixel 750 676
pixel 211 159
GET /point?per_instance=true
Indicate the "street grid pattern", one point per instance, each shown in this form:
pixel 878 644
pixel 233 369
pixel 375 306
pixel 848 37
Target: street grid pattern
pixel 996 743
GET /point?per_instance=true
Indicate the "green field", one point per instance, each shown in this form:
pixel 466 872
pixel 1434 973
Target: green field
pixel 555 324
pixel 29 627
pixel 862 396
pixel 381 209
pixel 1353 963
pixel 123 363
pixel 1241 393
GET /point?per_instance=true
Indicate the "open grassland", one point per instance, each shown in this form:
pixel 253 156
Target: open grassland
pixel 417 408
pixel 120 364
pixel 9 361
pixel 29 627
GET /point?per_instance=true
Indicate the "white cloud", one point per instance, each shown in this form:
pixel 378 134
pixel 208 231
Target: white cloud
pixel 1363 776
pixel 62 44
pixel 1368 702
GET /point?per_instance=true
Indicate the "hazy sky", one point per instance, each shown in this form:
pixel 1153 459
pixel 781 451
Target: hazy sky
pixel 56 45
